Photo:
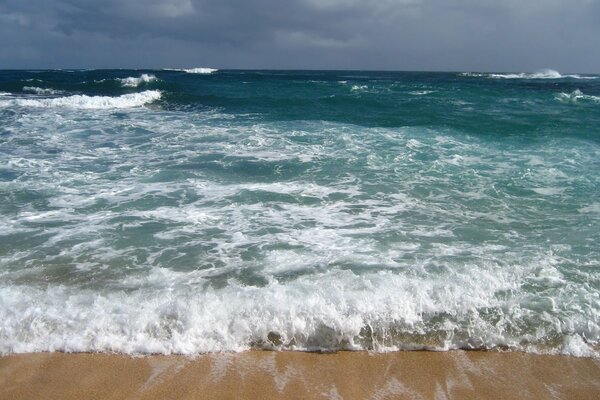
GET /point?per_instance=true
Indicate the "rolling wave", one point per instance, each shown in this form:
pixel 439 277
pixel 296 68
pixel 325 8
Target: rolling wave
pixel 135 82
pixel 88 102
pixel 42 91
pixel 575 96
pixel 198 70
pixel 542 74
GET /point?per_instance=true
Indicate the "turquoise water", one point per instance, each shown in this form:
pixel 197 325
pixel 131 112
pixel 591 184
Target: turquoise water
pixel 173 211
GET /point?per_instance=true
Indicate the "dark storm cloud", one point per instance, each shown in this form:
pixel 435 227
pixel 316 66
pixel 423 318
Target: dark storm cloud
pixel 350 34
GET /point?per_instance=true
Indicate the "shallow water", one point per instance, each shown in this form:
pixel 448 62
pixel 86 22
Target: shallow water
pixel 185 211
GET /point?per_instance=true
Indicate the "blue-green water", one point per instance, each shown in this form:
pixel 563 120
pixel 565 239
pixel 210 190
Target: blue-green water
pixel 181 212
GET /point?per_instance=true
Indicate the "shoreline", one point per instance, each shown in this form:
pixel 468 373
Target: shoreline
pixel 456 374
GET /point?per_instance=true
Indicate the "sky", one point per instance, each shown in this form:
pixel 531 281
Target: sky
pixel 431 35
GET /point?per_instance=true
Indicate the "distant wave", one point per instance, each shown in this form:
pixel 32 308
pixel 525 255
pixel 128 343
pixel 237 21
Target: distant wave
pixel 4 94
pixel 472 74
pixel 135 82
pixel 576 95
pixel 421 92
pixel 199 70
pixel 542 74
pixel 359 87
pixel 38 90
pixel 88 102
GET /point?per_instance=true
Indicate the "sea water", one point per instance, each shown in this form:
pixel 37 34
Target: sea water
pixel 198 210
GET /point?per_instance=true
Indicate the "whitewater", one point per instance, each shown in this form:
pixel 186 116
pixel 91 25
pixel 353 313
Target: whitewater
pixel 193 210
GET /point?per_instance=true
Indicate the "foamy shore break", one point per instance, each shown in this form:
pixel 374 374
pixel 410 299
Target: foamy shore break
pixel 268 375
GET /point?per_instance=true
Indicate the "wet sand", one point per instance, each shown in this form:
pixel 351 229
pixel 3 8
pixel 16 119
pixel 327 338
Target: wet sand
pixel 297 375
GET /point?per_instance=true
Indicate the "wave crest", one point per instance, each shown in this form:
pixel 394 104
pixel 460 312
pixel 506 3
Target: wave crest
pixel 38 90
pixel 541 74
pixel 198 70
pixel 135 82
pixel 88 102
pixel 575 96
pixel 335 310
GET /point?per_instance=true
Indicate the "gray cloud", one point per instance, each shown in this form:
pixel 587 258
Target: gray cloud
pixel 505 35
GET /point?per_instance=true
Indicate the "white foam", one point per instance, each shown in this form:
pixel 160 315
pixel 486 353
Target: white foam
pixel 135 82
pixel 198 70
pixel 421 92
pixel 359 87
pixel 41 91
pixel 339 264
pixel 178 312
pixel 549 191
pixel 576 346
pixel 541 74
pixel 5 94
pixel 472 74
pixel 88 102
pixel 575 96
pixel 593 208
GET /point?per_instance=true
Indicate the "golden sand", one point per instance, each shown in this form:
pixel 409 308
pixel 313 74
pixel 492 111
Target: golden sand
pixel 298 375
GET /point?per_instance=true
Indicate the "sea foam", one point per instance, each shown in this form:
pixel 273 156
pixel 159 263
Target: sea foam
pixel 247 225
pixel 173 312
pixel 88 102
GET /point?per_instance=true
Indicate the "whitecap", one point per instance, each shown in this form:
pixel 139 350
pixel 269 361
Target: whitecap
pixel 198 70
pixel 135 82
pixel 575 96
pixel 472 74
pixel 88 102
pixel 541 74
pixel 421 92
pixel 43 91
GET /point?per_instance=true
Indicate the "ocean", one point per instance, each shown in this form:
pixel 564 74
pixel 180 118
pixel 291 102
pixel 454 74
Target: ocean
pixel 200 210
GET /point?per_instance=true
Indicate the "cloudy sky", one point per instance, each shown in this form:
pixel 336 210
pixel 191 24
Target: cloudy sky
pixel 465 35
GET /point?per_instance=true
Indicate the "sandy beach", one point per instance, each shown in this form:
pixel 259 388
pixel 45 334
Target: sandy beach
pixel 299 375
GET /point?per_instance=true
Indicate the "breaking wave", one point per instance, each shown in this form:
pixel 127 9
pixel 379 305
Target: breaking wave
pixel 542 74
pixel 88 102
pixel 359 88
pixel 199 70
pixel 421 92
pixel 575 96
pixel 171 313
pixel 135 82
pixel 381 220
pixel 38 90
